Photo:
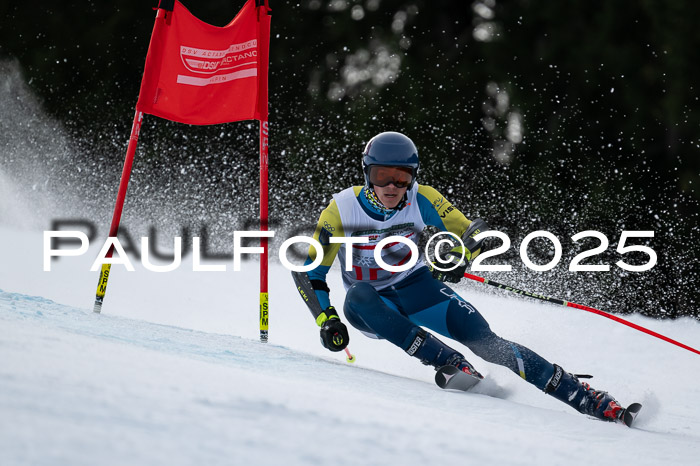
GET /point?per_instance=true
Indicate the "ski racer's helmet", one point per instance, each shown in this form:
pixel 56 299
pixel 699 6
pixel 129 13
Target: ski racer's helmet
pixel 390 149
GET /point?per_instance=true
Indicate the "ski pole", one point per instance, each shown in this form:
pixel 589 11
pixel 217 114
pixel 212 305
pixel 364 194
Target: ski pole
pixel 579 306
pixel 351 357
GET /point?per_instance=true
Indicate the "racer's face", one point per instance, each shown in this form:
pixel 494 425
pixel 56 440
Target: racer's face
pixel 390 195
pixel 390 183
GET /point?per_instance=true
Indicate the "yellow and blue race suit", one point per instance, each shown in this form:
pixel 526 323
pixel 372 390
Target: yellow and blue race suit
pixel 394 306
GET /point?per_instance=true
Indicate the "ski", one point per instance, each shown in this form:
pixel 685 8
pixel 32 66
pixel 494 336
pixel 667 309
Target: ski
pixel 451 378
pixel 629 414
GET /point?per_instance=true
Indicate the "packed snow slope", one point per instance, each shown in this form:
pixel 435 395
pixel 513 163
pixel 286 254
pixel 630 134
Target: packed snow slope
pixel 172 373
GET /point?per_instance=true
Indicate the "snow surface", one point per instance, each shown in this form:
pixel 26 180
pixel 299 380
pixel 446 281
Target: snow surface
pixel 172 373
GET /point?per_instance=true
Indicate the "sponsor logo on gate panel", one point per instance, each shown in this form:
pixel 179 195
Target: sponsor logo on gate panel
pixel 212 61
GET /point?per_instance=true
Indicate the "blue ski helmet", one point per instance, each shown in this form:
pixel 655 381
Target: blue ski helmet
pixel 390 149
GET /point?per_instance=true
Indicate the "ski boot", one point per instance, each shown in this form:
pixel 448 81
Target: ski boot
pixel 582 397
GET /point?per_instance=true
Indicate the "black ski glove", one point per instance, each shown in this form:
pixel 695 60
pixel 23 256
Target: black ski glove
pixel 455 275
pixel 334 334
pixel 470 250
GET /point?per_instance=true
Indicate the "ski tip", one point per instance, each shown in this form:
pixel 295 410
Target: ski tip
pixel 631 413
pixel 451 378
pixel 444 374
pixel 440 379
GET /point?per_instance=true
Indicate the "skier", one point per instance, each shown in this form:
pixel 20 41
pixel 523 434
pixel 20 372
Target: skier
pixel 395 306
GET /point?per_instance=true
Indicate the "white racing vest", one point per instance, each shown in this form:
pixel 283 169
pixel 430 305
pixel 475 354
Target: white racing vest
pixel 356 223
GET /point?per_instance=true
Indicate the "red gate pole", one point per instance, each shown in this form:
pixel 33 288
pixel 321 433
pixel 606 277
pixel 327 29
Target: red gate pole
pixel 264 144
pixel 118 207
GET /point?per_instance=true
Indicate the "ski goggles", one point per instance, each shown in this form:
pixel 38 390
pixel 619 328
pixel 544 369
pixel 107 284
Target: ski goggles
pixel 401 177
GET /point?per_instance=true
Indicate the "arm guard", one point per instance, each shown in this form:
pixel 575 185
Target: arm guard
pixel 472 247
pixel 306 289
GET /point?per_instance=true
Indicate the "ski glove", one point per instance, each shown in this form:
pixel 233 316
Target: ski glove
pixel 334 334
pixel 454 275
pixel 469 251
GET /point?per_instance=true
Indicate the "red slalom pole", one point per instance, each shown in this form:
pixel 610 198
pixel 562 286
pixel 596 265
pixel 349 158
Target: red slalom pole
pixel 582 307
pixel 261 114
pixel 264 312
pixel 118 208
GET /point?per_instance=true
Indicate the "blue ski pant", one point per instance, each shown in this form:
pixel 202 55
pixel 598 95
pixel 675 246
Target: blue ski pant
pixel 396 314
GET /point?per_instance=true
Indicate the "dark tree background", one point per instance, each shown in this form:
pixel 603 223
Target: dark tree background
pixel 532 114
